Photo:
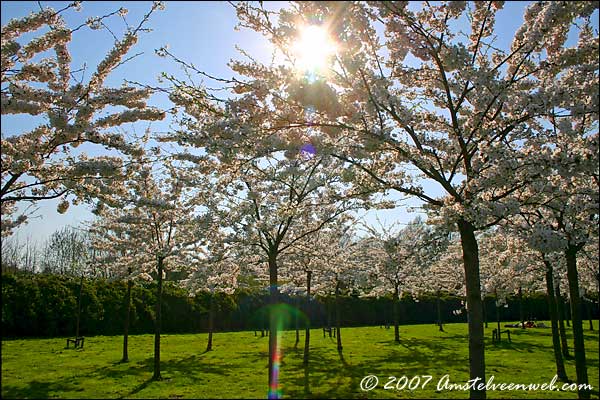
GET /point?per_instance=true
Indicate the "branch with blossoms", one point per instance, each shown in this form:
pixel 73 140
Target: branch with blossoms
pixel 39 164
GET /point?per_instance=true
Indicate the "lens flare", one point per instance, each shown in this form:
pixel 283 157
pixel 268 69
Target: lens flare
pixel 281 317
pixel 274 390
pixel 308 150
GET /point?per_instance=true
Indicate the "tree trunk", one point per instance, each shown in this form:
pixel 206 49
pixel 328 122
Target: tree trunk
pixel 485 319
pixel 568 312
pixel 475 309
pixel 588 309
pixel 158 321
pixel 79 307
pixel 497 315
pixel 552 310
pixel 274 356
pixel 328 301
pixel 578 340
pixel 395 311
pixel 564 344
pixel 296 311
pixel 211 321
pixel 439 312
pixel 127 318
pixel 521 309
pixel 337 316
pixel 307 329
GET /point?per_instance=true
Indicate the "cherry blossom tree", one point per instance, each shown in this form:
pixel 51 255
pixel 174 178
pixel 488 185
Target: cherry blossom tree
pixel 397 259
pixel 42 163
pixel 560 209
pixel 304 261
pixel 212 268
pixel 507 265
pixel 432 100
pixel 441 269
pixel 116 253
pixel 266 202
pixel 566 226
pixel 522 227
pixel 445 274
pixel 161 218
pixel 340 268
pixel 590 276
pixel 457 113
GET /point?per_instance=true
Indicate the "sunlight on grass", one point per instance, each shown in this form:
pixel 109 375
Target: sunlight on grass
pixel 237 367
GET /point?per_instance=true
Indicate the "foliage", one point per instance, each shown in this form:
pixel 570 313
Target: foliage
pixel 45 305
pixel 41 163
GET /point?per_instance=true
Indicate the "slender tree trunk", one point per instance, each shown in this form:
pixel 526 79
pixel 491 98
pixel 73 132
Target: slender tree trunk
pixel 79 307
pixel 578 340
pixel 439 312
pixel 588 309
pixel 564 344
pixel 568 312
pixel 211 321
pixel 307 329
pixel 497 315
pixel 395 311
pixel 475 309
pixel 127 317
pixel 485 319
pixel 521 309
pixel 158 321
pixel 337 316
pixel 274 356
pixel 296 301
pixel 552 310
pixel 329 315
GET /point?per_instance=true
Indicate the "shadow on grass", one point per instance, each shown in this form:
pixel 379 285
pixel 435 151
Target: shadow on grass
pixel 333 374
pixel 193 366
pixel 37 390
pixel 141 387
pixel 516 345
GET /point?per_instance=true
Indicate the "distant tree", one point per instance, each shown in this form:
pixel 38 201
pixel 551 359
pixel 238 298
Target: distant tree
pixel 396 258
pixel 212 268
pixel 21 256
pixel 68 251
pixel 159 219
pixel 340 268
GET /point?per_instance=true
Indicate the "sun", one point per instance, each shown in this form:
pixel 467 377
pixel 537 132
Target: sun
pixel 313 49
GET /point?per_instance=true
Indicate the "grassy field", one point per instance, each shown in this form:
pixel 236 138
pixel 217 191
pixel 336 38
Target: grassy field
pixel 237 367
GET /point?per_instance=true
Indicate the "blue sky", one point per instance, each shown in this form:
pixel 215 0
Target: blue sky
pixel 199 32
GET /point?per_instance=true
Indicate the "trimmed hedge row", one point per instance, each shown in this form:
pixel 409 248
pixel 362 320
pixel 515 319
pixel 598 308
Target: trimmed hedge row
pixel 45 305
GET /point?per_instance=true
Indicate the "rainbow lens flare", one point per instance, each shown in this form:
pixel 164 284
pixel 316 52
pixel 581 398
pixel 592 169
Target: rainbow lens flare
pixel 280 318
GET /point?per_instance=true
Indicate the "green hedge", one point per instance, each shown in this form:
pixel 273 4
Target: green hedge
pixel 46 305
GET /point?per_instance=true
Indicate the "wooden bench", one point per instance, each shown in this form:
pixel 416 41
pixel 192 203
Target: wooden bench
pixel 329 331
pixel 78 342
pixel 496 338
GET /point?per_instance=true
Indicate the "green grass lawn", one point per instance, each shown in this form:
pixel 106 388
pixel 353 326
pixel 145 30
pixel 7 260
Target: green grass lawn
pixel 237 367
